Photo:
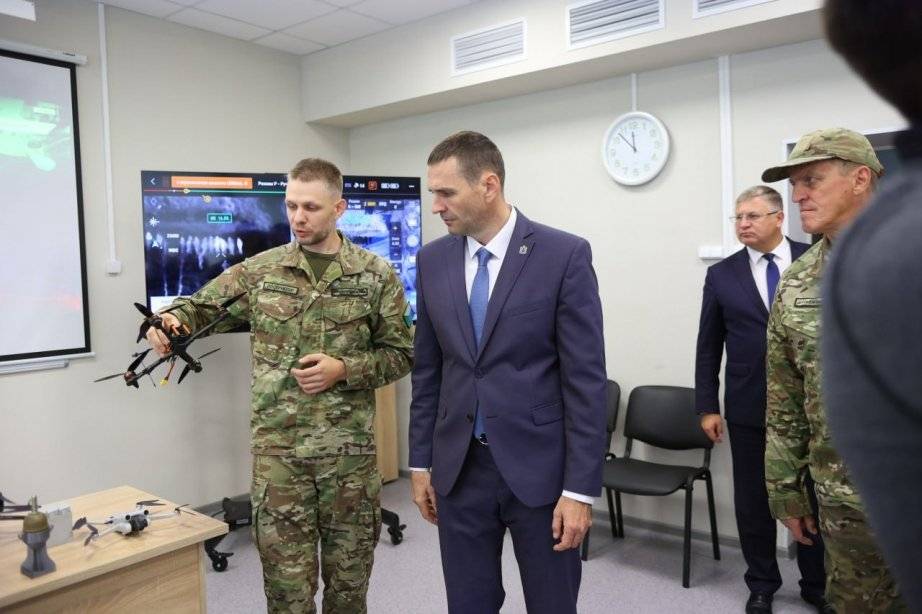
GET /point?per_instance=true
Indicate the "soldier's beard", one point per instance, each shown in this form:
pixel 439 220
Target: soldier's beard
pixel 313 238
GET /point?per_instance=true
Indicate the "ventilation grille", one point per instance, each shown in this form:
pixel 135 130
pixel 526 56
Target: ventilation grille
pixel 710 7
pixel 493 46
pixel 599 21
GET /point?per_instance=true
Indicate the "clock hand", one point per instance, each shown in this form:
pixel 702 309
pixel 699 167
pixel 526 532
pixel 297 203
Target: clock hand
pixel 628 142
pixel 633 142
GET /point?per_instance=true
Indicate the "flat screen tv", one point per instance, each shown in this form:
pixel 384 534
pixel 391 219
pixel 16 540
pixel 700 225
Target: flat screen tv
pixel 196 224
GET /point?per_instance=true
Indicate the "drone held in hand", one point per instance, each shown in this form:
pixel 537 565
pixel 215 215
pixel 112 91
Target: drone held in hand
pixel 127 523
pixel 179 342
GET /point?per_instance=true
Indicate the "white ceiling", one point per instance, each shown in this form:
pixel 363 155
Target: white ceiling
pixel 296 26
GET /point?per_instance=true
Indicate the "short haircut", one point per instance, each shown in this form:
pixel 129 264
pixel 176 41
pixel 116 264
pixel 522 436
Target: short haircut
pixel 315 169
pixel 880 39
pixel 770 195
pixel 846 166
pixel 475 154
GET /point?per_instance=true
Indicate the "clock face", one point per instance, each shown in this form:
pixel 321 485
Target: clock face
pixel 635 148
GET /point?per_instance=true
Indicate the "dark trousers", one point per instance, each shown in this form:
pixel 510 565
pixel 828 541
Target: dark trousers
pixel 473 519
pixel 757 528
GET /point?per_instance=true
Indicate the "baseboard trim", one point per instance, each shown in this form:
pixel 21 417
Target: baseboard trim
pixel 601 516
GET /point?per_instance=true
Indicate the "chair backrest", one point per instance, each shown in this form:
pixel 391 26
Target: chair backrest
pixel 664 416
pixel 612 405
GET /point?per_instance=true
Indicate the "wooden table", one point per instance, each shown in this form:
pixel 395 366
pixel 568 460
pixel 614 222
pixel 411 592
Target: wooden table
pixel 161 569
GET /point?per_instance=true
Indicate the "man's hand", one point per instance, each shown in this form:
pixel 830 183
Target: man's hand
pixel 319 373
pixel 424 495
pixel 799 527
pixel 713 427
pixel 572 519
pixel 157 339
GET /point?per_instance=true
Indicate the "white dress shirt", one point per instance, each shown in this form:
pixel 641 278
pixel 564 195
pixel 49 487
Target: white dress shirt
pixel 759 265
pixel 497 247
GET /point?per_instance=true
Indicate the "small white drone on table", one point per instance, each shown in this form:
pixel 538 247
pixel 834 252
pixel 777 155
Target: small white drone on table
pixel 127 523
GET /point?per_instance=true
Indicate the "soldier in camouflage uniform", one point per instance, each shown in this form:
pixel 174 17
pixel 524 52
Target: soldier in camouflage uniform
pixel 329 323
pixel 833 173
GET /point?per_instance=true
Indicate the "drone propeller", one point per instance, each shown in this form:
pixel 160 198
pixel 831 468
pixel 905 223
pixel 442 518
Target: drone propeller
pixel 144 310
pixel 138 359
pixel 149 503
pixel 148 318
pixel 188 366
pixel 179 509
pixel 113 376
pixel 81 522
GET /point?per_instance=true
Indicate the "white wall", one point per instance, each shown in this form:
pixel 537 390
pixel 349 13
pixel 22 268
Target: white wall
pixel 181 99
pixel 644 239
pixel 388 92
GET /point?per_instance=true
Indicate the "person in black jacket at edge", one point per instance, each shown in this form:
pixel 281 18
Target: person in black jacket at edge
pixel 872 298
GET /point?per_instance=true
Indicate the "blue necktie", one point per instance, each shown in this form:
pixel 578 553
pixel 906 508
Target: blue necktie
pixel 771 277
pixel 480 296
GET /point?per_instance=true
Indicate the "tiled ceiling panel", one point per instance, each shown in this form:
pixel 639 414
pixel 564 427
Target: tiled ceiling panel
pixel 338 27
pixel 295 26
pixel 272 14
pixel 405 11
pixel 216 23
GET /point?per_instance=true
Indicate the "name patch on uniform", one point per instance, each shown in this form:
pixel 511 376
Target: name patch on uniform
pixel 274 287
pixel 807 302
pixel 351 291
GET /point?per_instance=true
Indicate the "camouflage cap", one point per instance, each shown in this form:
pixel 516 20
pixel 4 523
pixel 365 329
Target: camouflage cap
pixel 827 144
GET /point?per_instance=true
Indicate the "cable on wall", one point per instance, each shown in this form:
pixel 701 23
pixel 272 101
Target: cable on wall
pixel 113 264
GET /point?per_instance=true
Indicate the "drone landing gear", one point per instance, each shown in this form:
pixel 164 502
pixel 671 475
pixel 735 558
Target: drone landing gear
pixel 239 513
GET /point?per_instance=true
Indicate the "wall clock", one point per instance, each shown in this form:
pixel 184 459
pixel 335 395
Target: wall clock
pixel 635 148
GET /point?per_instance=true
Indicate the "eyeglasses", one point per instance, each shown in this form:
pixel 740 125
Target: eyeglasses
pixel 750 217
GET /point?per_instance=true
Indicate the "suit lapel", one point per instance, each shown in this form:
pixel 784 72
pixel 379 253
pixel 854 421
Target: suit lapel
pixel 454 264
pixel 744 276
pixel 520 247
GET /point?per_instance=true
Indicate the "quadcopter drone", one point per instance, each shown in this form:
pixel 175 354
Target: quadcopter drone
pixel 179 342
pixel 127 523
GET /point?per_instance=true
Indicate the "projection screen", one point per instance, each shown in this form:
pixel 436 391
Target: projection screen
pixel 43 290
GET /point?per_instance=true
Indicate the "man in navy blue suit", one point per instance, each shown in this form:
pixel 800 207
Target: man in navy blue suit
pixel 738 292
pixel 507 420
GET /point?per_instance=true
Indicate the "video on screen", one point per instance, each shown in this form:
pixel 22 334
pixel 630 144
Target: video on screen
pixel 198 224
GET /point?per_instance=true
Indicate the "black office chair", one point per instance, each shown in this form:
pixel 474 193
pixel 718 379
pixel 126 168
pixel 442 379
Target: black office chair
pixel 661 416
pixel 612 403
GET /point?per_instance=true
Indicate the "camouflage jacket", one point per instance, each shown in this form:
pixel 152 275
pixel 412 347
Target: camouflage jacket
pixel 797 436
pixel 355 312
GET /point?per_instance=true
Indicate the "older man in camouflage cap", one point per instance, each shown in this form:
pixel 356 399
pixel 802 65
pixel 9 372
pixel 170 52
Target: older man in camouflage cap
pixel 329 323
pixel 833 174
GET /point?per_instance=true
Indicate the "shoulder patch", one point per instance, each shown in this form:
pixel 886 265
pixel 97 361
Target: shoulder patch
pixel 808 302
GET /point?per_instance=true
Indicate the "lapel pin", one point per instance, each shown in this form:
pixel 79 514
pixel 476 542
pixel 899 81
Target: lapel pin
pixel 523 249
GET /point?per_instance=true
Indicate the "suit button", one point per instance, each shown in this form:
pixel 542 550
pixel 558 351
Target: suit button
pixel 470 417
pixel 478 373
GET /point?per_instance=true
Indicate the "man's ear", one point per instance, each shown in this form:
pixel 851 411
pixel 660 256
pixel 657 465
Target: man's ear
pixel 861 179
pixel 492 187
